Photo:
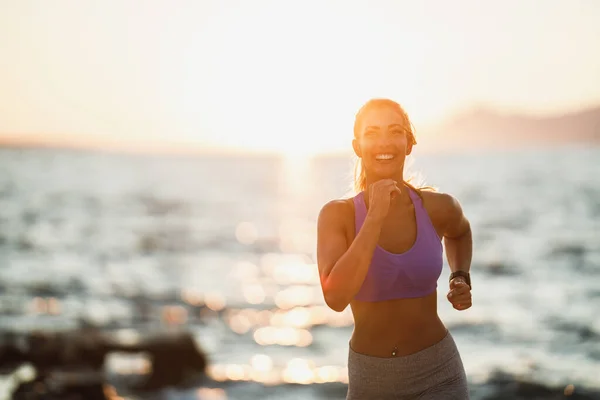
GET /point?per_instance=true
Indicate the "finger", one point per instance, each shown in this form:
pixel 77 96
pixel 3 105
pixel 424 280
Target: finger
pixel 391 184
pixel 386 182
pixel 457 282
pixel 454 296
pixel 393 189
pixel 461 301
pixel 384 185
pixel 460 291
pixel 462 307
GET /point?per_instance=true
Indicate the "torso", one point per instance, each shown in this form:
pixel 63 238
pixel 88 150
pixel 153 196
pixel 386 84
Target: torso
pixel 404 325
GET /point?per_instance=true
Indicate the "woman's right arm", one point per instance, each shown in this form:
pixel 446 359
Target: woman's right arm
pixel 343 268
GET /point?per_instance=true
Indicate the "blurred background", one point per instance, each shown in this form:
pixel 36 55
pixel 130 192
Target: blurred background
pixel 162 166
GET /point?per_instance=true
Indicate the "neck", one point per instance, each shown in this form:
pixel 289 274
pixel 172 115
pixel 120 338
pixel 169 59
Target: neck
pixel 399 177
pixel 404 198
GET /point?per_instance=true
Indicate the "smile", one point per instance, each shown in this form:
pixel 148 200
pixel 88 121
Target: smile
pixel 384 157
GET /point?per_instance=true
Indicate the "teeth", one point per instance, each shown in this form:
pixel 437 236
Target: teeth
pixel 384 156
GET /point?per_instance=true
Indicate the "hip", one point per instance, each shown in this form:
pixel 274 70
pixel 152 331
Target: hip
pixel 436 371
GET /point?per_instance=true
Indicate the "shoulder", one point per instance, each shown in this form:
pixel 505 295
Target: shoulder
pixel 337 210
pixel 440 202
pixel 445 212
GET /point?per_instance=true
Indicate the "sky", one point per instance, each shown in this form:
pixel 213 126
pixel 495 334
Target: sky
pixel 283 76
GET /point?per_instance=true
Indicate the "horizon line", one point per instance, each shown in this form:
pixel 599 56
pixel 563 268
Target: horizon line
pixel 155 146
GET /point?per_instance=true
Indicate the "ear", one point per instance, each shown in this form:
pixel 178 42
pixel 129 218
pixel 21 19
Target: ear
pixel 356 147
pixel 409 147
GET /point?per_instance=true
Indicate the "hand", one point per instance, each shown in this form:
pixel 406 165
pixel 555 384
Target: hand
pixel 459 294
pixel 381 194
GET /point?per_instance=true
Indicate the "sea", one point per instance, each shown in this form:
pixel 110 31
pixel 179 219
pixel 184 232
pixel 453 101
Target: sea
pixel 85 234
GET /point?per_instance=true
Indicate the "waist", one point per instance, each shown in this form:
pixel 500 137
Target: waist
pixel 401 326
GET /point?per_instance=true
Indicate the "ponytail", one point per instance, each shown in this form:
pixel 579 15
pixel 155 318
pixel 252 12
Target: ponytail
pixel 360 176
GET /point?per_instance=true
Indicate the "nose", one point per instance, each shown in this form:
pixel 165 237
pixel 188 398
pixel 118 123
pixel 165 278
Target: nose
pixel 386 139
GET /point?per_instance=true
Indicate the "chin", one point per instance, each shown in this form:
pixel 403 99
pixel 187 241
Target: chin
pixel 386 171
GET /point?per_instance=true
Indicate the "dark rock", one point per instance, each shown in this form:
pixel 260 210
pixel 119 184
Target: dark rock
pixel 175 359
pixel 502 386
pixel 70 364
pixel 41 390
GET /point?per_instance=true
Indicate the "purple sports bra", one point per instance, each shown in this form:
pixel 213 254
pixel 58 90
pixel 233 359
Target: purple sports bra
pixel 413 273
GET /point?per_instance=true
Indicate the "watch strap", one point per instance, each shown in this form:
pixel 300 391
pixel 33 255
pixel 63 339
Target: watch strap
pixel 462 274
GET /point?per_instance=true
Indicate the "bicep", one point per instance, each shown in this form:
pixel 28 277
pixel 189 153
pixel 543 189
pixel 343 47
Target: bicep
pixel 457 223
pixel 331 238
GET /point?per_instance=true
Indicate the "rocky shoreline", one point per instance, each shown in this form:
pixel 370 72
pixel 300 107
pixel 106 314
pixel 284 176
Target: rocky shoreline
pixel 70 365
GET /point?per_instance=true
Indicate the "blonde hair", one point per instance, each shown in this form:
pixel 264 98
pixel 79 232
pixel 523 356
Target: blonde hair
pixel 360 177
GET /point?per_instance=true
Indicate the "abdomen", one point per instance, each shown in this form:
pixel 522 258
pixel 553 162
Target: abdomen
pixel 411 324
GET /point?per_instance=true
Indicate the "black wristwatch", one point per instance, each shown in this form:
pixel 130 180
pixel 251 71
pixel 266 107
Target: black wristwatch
pixel 464 274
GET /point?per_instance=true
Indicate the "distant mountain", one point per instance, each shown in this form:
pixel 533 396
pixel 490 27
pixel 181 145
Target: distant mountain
pixel 109 143
pixel 483 128
pixel 475 129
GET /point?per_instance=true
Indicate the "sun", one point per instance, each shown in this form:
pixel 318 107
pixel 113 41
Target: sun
pixel 294 151
pixel 273 85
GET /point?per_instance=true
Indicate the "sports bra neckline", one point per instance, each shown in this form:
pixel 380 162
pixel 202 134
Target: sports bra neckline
pixel 413 246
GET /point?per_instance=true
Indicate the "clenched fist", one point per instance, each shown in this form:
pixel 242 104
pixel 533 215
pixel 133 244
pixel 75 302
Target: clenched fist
pixel 381 194
pixel 459 294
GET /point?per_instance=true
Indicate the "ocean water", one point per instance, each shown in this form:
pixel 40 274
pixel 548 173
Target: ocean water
pixel 84 234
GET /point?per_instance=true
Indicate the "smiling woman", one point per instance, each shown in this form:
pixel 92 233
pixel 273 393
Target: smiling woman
pixel 381 253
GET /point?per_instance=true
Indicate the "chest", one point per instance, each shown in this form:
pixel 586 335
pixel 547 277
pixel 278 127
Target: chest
pixel 399 231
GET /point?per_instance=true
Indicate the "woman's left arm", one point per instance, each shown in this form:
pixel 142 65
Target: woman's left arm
pixel 457 236
pixel 459 250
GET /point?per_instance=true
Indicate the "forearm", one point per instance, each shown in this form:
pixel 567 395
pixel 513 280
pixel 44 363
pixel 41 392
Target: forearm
pixel 459 251
pixel 349 272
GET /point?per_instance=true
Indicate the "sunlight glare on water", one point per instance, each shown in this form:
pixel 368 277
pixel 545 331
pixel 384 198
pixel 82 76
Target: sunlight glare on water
pixel 239 257
pixel 295 189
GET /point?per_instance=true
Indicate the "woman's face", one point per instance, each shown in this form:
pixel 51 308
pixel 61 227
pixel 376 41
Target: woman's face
pixel 382 142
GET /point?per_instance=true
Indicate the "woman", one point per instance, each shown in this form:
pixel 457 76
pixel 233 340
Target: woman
pixel 381 253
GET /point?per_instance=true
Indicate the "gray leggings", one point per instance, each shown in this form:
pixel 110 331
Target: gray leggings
pixel 435 373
